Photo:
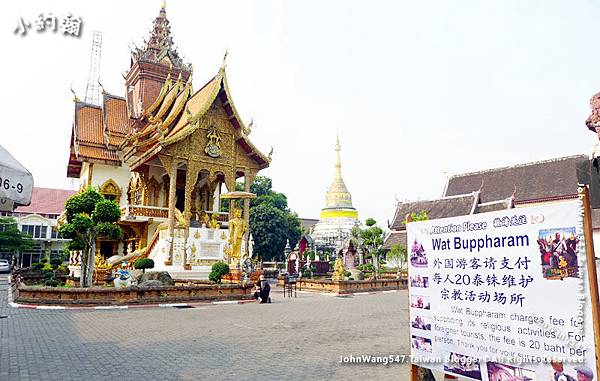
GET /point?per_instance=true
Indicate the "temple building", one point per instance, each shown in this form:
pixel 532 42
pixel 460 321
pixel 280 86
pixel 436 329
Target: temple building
pixel 338 217
pixel 489 190
pixel 165 152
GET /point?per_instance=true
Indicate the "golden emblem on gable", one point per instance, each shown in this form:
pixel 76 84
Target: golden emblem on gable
pixel 213 146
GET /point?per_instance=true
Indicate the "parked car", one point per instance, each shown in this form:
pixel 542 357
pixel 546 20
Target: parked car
pixel 4 266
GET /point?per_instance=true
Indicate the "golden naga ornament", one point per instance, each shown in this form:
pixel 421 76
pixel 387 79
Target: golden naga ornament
pixel 213 147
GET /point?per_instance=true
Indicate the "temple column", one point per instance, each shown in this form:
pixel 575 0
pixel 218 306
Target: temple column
pixel 191 177
pixel 194 203
pixel 171 167
pixel 248 180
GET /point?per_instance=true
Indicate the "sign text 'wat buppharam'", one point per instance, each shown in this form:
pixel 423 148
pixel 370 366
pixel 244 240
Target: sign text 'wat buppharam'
pixel 502 294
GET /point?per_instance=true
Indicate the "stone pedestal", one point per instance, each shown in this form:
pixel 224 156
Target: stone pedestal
pixel 235 275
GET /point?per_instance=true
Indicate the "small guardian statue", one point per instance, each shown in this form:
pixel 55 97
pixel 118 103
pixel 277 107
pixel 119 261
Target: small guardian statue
pixel 338 270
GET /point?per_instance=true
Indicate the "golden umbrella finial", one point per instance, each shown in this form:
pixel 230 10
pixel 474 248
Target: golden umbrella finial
pixel 163 4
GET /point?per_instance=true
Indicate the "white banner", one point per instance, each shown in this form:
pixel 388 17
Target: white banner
pixel 496 296
pixel 16 183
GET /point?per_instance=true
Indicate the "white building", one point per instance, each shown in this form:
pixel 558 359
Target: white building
pixel 39 220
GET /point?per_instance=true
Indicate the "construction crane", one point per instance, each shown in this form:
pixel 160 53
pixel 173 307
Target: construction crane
pixel 92 94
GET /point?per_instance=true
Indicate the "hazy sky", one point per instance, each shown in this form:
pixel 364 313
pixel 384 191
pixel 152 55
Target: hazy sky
pixel 416 89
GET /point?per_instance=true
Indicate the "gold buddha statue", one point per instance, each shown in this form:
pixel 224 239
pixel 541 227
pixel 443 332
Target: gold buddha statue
pixel 237 229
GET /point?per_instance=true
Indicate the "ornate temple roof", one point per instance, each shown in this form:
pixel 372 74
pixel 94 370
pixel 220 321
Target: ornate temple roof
pixel 97 132
pixel 338 200
pixel 159 47
pixel 174 115
pixel 112 131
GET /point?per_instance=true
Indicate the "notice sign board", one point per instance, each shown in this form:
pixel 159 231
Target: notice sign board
pixel 497 296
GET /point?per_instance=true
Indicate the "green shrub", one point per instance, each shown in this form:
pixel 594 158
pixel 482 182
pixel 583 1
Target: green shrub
pixel 217 271
pixel 55 262
pixel 48 274
pixel 51 283
pixel 143 264
pixel 311 255
pixel 37 266
pixel 347 273
pixel 306 273
pixel 47 267
pixel 369 267
pixel 64 268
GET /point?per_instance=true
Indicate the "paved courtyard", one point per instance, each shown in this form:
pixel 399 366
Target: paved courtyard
pixel 290 339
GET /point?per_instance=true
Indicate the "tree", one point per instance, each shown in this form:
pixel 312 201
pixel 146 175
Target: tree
pixel 89 217
pixel 421 216
pixel 357 241
pixel 261 186
pixel 294 228
pixel 398 256
pixel 11 238
pixel 269 231
pixel 370 239
pixel 271 221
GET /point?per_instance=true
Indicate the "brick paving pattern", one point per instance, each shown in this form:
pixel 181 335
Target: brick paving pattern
pixel 291 339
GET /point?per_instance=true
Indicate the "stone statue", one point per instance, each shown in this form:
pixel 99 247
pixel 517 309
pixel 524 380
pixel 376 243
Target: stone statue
pixel 338 270
pixel 237 229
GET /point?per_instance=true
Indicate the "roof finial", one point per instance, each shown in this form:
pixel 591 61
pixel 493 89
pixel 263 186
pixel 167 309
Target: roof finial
pixel 225 58
pixel 163 4
pixel 75 98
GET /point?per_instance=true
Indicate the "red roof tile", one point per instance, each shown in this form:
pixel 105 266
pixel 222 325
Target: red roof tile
pixel 47 201
pixel 88 124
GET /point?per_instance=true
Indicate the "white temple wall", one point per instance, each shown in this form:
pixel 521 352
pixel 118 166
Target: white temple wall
pixel 101 173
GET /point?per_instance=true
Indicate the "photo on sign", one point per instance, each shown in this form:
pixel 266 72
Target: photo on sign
pixel 418 258
pixel 505 372
pixel 420 322
pixel 557 371
pixel 558 253
pixel 463 365
pixel 419 281
pixel 421 343
pixel 419 301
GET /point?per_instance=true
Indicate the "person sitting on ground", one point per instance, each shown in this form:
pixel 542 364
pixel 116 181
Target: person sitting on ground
pixel 265 289
pixel 256 290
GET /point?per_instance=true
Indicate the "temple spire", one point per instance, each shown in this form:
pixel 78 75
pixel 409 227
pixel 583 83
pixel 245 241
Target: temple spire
pixel 338 196
pixel 338 162
pixel 159 47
